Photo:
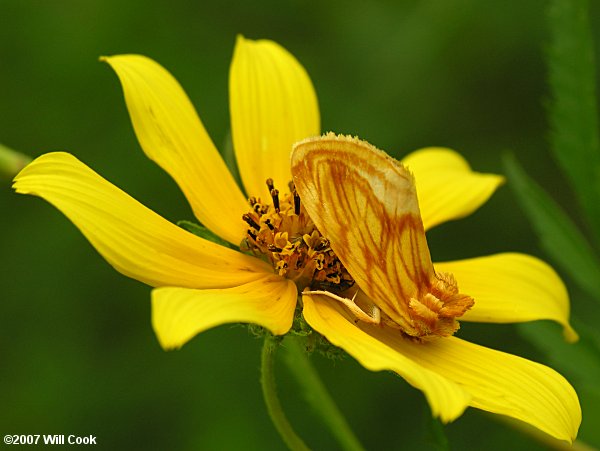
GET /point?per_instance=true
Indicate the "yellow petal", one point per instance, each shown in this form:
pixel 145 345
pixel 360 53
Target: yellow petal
pixel 132 238
pixel 510 288
pixel 446 398
pixel 446 186
pixel 171 134
pixel 498 382
pixel 273 104
pixel 178 314
pixel 454 373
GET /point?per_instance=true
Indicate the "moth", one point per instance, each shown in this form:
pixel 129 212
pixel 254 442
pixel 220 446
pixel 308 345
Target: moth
pixel 365 203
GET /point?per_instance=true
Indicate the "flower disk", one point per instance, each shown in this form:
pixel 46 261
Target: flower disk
pixel 282 233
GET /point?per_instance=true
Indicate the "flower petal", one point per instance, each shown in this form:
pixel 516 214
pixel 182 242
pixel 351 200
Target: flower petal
pixel 446 186
pixel 453 373
pixel 446 398
pixel 498 382
pixel 178 314
pixel 510 288
pixel 273 104
pixel 171 134
pixel 132 238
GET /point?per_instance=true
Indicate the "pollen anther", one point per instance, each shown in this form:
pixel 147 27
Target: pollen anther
pixel 250 221
pixel 275 197
pixel 283 234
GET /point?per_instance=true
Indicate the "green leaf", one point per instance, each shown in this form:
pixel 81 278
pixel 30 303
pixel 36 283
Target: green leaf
pixel 436 433
pixel 572 111
pixel 580 360
pixel 11 162
pixel 559 237
pixel 203 232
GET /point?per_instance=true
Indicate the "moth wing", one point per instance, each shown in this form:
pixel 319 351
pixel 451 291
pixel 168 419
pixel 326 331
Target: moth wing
pixel 365 203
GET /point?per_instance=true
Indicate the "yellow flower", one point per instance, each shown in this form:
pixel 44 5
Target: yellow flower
pixel 200 284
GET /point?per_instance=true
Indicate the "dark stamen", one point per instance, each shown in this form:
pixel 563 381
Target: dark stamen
pixel 274 248
pixel 270 184
pixel 296 202
pixel 269 225
pixel 322 245
pixel 252 201
pixel 275 196
pixel 252 235
pixel 250 221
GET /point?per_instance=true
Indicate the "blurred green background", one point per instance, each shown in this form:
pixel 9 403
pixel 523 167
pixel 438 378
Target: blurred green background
pixel 77 350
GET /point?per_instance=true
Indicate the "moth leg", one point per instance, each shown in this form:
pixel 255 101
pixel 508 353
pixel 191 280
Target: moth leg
pixel 373 318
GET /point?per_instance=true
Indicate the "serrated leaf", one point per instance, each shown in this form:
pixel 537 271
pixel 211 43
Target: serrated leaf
pixel 559 236
pixel 203 232
pixel 572 110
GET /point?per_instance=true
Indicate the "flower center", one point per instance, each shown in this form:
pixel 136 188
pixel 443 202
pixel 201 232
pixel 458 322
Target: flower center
pixel 281 232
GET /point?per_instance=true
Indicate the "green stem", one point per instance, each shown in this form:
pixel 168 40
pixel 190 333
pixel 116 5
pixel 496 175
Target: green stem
pixel 11 162
pixel 317 395
pixel 269 389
